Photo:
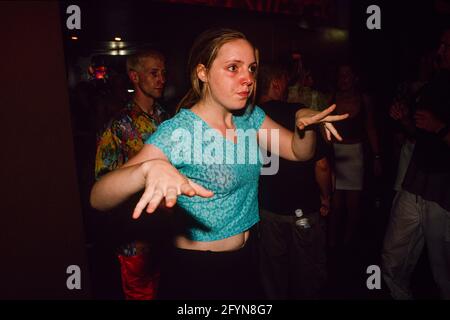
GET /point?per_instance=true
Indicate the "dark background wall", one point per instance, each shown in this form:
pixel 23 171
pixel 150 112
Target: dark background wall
pixel 173 28
pixel 41 229
pixel 384 56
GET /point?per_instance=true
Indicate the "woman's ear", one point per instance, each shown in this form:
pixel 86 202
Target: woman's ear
pixel 202 73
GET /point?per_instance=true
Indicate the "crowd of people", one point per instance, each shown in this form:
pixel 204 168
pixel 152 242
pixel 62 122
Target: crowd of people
pixel 210 222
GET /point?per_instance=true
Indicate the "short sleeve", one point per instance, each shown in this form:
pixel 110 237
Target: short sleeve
pixel 161 138
pixel 256 117
pixel 173 138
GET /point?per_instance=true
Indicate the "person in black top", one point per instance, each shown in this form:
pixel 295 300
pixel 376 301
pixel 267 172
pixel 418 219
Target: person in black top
pixel 292 257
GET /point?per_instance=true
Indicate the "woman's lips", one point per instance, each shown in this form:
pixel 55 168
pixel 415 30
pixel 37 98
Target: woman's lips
pixel 243 94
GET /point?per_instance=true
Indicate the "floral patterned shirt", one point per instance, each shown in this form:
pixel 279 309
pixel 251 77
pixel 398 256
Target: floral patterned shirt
pixel 124 136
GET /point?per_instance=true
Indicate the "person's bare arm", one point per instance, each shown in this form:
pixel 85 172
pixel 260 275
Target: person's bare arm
pixel 293 145
pixel 149 169
pixel 323 178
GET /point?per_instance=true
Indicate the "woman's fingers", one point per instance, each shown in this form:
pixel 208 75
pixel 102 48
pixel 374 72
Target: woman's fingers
pixel 155 201
pixel 200 190
pixel 333 130
pixel 167 188
pixel 138 209
pixel 328 134
pixel 328 110
pixel 152 198
pixel 191 189
pixel 171 197
pixel 187 189
pixel 334 118
pixel 140 206
pixel 323 116
pixel 144 200
pixel 323 113
pixel 300 124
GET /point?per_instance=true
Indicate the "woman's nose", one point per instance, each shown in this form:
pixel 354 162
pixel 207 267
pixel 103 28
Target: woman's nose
pixel 247 78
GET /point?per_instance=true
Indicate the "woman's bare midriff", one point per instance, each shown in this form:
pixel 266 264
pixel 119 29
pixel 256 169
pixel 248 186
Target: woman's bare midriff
pixel 229 244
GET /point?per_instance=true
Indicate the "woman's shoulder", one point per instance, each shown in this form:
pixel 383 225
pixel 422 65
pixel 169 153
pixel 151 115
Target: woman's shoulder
pixel 181 124
pixel 182 119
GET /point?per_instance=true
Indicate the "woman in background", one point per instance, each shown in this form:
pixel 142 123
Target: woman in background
pixel 349 155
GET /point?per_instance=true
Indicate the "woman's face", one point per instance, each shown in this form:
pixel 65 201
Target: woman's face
pixel 231 78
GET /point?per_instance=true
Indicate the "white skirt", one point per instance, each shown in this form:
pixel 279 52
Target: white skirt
pixel 349 166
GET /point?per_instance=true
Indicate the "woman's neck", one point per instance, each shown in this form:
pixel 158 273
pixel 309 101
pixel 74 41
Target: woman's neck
pixel 214 114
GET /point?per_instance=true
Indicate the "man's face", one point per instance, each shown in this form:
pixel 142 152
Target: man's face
pixel 151 77
pixel 444 51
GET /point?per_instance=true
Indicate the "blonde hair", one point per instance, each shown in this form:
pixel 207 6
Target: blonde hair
pixel 135 61
pixel 204 51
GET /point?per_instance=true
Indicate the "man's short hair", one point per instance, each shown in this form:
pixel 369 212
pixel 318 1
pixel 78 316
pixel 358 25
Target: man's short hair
pixel 269 72
pixel 134 61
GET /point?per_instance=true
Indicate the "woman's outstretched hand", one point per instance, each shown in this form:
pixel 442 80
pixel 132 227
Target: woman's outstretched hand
pixel 306 117
pixel 164 182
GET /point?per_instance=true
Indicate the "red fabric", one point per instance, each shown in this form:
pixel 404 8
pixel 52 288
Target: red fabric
pixel 138 282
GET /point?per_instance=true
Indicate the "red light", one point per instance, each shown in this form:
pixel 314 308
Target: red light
pixel 100 72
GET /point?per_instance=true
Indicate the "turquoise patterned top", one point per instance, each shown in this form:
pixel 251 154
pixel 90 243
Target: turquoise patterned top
pixel 231 170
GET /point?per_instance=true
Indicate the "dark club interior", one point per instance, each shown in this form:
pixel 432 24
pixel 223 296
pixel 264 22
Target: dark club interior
pixel 65 64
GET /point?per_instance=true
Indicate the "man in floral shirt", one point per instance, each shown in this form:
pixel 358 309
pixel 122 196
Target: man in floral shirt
pixel 122 138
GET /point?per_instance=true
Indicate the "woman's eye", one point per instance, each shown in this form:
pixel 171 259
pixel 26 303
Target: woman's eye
pixel 252 69
pixel 232 68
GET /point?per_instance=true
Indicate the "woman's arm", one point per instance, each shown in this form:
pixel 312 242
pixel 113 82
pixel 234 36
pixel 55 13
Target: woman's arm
pixel 120 184
pixel 117 186
pixel 298 145
pixel 289 145
pixel 322 172
pixel 151 170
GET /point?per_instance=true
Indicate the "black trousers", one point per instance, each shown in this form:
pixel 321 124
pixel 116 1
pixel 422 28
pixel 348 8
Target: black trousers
pixel 207 275
pixel 292 260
